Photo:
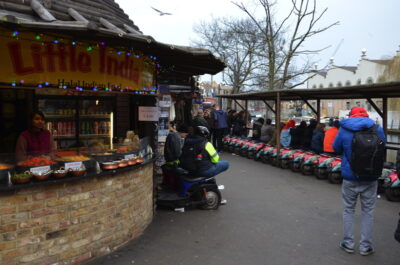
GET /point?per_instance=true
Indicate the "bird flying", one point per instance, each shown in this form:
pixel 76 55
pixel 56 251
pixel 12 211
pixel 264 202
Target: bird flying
pixel 161 12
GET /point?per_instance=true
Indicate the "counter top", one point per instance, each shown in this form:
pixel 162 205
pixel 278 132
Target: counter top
pixel 88 175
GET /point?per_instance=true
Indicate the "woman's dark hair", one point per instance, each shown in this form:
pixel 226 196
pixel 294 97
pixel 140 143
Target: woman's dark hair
pixel 33 114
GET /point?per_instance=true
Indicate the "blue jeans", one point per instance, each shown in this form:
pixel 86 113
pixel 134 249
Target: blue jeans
pixel 219 167
pixel 367 191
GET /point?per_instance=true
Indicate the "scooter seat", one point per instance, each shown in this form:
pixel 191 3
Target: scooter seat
pixel 187 179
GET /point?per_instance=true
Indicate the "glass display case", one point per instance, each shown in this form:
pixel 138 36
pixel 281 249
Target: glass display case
pixel 77 122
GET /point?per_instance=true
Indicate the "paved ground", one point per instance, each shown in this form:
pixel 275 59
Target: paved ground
pixel 273 216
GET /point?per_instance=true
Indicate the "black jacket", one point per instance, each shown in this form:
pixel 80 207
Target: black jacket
pixel 194 157
pixel 173 147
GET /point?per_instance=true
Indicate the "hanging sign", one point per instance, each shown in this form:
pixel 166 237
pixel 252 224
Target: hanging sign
pixel 64 63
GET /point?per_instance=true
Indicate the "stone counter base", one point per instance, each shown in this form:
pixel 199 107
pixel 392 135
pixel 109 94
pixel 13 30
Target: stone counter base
pixel 70 223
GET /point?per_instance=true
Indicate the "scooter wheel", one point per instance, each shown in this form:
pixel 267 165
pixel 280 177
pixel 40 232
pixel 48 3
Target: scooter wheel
pixel 320 173
pixel 335 177
pixel 393 194
pixel 285 164
pixel 295 167
pixel 306 169
pixel 213 198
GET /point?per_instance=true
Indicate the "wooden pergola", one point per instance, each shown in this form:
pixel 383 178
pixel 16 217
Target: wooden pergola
pixel 371 91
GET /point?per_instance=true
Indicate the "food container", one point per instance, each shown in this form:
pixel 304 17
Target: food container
pixel 131 162
pixel 21 178
pixel 60 173
pixel 122 163
pixel 103 157
pixel 77 172
pixel 42 175
pixel 109 165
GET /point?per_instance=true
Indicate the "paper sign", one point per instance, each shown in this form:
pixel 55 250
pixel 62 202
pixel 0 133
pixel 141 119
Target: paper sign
pixel 131 156
pixel 73 165
pixel 38 170
pixel 148 114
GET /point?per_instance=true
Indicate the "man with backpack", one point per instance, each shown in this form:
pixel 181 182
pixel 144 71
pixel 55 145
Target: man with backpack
pixel 199 156
pixel 362 146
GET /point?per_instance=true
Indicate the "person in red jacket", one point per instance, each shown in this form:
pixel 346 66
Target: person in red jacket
pixel 330 136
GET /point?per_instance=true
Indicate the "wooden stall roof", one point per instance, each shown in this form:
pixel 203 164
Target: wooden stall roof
pixel 379 90
pixel 103 20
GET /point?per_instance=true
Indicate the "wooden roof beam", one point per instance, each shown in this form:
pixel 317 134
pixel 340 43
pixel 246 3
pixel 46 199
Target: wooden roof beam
pixel 42 11
pixel 111 26
pixel 76 15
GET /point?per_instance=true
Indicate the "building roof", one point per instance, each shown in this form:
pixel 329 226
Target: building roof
pixel 105 20
pixel 380 61
pixel 348 68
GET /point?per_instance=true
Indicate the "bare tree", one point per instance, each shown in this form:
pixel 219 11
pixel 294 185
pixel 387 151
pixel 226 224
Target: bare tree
pixel 237 43
pixel 284 42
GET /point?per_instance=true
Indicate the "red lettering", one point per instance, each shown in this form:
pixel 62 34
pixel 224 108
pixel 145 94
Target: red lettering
pixel 37 58
pixel 112 66
pixel 84 62
pixel 102 54
pixel 72 61
pixel 17 60
pixel 135 75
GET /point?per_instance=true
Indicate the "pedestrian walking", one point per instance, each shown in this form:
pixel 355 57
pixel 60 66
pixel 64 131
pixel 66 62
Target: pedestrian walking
pixel 361 144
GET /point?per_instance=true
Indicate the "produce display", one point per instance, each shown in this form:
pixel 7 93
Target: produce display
pixel 36 161
pixel 73 158
pixel 21 178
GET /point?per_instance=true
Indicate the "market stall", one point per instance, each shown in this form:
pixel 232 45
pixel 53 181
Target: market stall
pixel 80 183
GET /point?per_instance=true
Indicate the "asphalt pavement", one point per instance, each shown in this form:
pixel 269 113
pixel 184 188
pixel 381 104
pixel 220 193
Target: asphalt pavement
pixel 273 217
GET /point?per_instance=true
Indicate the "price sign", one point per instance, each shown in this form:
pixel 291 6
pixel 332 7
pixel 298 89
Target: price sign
pixel 148 113
pixel 73 165
pixel 38 170
pixel 131 156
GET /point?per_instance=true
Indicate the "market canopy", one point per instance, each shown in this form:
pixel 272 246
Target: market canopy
pixel 104 20
pixel 379 90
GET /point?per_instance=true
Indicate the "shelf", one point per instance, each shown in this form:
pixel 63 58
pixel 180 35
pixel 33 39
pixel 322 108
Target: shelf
pixel 82 136
pixel 94 136
pixel 72 116
pixel 54 116
pixel 95 116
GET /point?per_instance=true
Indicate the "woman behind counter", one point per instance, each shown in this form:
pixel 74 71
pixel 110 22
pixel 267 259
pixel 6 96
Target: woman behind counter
pixel 36 140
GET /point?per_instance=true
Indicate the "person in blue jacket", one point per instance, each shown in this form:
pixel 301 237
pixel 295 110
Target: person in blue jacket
pixel 317 140
pixel 353 187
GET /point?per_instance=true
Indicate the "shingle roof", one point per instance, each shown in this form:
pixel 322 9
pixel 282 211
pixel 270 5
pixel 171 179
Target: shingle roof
pixel 103 19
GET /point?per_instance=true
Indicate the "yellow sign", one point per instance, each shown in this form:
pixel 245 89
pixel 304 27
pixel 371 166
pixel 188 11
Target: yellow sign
pixel 62 63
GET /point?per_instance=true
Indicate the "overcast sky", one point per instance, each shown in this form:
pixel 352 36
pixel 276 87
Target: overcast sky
pixel 370 24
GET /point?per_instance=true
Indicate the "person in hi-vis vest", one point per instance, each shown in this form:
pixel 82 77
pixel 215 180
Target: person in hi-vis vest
pixel 199 156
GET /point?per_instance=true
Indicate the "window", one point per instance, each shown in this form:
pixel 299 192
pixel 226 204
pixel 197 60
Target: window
pixel 321 86
pixel 347 105
pixel 370 80
pixel 314 86
pixel 358 103
pixel 330 84
pixel 348 83
pixel 359 82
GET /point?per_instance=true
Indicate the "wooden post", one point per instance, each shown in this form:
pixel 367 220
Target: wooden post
pixel 278 122
pixel 318 110
pixel 384 116
pixel 246 119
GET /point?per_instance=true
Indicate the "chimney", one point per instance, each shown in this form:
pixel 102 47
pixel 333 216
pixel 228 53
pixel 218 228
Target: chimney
pixel 331 61
pixel 364 53
pixel 316 67
pixel 398 52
